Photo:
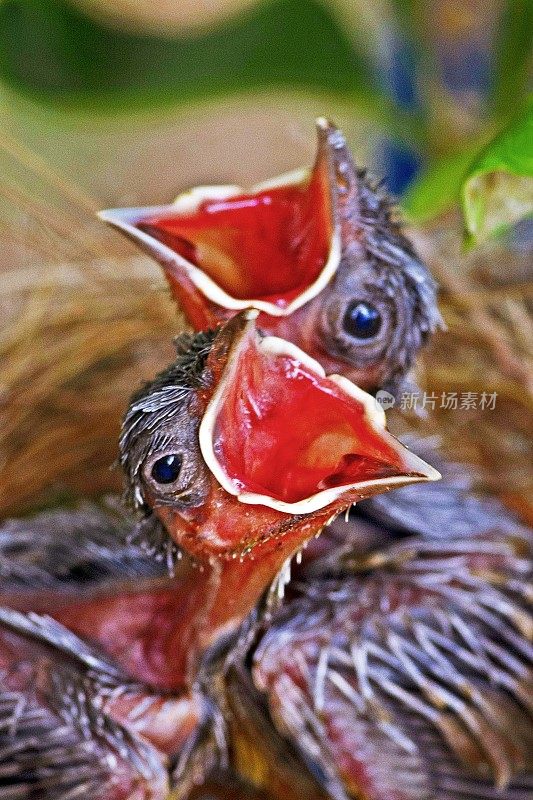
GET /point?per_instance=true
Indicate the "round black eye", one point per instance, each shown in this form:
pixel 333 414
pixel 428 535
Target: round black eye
pixel 167 469
pixel 361 320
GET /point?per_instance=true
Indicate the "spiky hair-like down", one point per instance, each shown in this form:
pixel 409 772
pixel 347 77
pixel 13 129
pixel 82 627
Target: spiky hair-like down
pixel 157 402
pixel 386 243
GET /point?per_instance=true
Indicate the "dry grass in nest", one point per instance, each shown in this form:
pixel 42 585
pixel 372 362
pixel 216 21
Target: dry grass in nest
pixel 75 343
pixel 487 303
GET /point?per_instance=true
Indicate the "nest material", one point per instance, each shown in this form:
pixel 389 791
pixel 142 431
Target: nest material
pixel 76 342
pixel 487 302
pixel 86 320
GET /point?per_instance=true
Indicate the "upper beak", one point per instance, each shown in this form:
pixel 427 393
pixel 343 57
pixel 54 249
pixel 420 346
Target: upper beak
pixel 223 249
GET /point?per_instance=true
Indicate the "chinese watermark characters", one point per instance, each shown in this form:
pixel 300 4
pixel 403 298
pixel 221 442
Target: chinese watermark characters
pixel 430 401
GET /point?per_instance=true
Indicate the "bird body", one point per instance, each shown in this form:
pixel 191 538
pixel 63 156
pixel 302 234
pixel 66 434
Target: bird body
pixel 406 671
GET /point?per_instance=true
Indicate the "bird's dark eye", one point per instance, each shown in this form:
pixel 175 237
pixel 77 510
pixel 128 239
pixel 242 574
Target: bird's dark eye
pixel 167 469
pixel 361 320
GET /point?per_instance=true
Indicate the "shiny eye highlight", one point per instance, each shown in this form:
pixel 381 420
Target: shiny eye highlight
pixel 167 469
pixel 362 320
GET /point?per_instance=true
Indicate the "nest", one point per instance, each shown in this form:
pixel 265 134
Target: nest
pixel 85 320
pixel 486 300
pixel 76 342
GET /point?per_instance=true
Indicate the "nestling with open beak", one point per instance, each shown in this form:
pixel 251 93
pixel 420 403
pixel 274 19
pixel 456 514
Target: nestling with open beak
pixel 223 453
pixel 244 450
pixel 403 675
pixel 318 252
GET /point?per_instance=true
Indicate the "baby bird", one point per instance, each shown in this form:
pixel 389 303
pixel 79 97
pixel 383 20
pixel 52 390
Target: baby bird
pixel 319 252
pixel 106 694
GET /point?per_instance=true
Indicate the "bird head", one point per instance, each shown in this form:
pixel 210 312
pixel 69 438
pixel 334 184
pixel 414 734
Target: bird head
pixel 318 252
pixel 244 444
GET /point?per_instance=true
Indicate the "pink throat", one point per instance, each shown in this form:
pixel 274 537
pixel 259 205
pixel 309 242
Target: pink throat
pixel 159 633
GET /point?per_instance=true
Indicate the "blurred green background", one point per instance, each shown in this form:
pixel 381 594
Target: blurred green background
pixel 135 100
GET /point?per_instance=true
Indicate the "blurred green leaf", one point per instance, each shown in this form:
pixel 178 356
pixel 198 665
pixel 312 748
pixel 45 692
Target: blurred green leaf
pixel 53 48
pixel 513 56
pixel 438 188
pixel 492 180
pixel 52 51
pixel 497 190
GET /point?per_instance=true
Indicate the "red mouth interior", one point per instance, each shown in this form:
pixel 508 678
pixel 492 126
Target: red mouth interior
pixel 269 246
pixel 287 433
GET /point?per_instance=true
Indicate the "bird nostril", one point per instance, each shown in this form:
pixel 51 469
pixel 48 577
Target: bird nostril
pixel 167 468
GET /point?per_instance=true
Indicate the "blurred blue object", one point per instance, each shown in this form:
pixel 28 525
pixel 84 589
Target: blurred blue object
pixel 466 68
pixel 399 163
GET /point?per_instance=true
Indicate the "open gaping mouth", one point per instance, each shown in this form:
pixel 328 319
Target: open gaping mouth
pixel 273 248
pixel 278 432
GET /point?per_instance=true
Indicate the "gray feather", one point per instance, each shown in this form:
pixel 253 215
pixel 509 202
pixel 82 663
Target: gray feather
pixel 449 508
pixel 56 740
pixel 423 648
pixel 69 548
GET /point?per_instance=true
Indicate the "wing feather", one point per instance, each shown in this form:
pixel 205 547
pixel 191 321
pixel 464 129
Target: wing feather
pixel 67 548
pixel 56 740
pixel 417 669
